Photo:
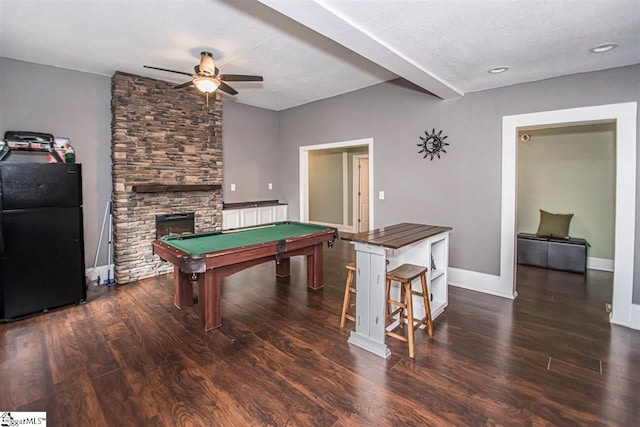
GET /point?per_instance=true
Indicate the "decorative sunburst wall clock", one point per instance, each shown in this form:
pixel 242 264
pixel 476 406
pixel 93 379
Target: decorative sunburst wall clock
pixel 432 144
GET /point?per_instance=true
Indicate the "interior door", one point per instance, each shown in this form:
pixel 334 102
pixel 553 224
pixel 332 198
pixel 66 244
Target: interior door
pixel 363 194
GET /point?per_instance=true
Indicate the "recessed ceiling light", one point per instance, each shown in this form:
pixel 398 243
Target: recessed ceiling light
pixel 498 70
pixel 604 47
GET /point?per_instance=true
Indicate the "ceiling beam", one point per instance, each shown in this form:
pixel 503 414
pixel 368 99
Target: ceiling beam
pixel 322 19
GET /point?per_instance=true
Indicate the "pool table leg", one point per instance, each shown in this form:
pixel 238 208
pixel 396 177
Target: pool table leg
pixel 182 289
pixel 283 268
pixel 209 289
pixel 314 268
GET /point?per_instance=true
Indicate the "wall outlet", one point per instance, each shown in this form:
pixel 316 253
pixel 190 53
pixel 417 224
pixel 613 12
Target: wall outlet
pixel 270 186
pixel 233 187
pixel 381 195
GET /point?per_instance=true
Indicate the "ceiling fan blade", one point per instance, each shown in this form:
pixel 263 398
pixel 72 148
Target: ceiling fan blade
pixel 226 88
pixel 189 83
pixel 240 78
pixel 170 71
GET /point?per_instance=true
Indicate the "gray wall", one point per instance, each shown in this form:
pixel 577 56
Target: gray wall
pixel 462 189
pixel 250 153
pixel 67 104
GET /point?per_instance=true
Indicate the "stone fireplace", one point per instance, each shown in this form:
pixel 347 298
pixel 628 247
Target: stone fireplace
pixel 166 160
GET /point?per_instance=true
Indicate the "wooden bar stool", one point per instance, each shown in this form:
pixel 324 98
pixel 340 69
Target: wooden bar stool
pixel 405 274
pixel 348 290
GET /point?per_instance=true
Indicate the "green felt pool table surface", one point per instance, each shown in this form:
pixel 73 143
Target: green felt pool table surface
pixel 194 245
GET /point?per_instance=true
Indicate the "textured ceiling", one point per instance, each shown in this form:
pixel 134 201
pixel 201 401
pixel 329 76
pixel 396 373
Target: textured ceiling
pixel 309 50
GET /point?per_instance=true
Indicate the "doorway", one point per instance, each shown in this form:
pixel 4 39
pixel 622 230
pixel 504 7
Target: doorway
pixel 625 117
pixel 570 170
pixel 367 146
pixel 361 193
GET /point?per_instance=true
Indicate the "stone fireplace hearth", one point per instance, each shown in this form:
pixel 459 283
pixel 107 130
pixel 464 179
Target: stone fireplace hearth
pixel 166 159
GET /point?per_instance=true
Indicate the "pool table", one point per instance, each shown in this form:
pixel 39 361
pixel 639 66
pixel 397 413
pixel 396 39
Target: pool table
pixel 208 258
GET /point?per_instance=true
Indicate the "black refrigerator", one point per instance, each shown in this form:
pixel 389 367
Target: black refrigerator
pixel 41 238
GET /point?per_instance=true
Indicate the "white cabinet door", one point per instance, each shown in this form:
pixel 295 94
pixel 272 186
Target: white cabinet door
pixel 230 219
pixel 248 217
pixel 281 213
pixel 265 215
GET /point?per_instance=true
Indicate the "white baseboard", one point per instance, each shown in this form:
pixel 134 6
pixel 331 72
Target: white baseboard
pixel 479 282
pixel 104 271
pixel 635 316
pixel 602 264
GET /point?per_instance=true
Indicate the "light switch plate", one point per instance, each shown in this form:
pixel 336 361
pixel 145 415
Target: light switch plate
pixel 233 187
pixel 381 195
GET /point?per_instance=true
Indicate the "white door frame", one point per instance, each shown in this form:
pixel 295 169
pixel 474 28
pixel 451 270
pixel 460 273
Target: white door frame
pixel 356 180
pixel 304 172
pixel 625 117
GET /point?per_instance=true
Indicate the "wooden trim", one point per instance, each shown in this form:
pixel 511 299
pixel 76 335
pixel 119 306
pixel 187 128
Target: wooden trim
pixel 167 188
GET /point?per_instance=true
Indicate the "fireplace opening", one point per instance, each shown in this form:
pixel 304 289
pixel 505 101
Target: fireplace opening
pixel 174 225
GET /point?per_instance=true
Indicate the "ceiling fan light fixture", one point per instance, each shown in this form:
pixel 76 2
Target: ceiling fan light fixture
pixel 206 84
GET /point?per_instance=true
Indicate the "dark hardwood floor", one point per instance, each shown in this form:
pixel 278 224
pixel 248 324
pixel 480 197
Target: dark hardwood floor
pixel 130 358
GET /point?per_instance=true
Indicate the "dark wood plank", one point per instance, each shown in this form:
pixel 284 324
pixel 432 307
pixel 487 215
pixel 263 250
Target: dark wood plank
pixel 387 238
pixel 397 236
pixel 396 242
pixel 24 372
pixel 65 355
pixel 383 231
pixel 117 399
pixel 77 403
pixel 272 400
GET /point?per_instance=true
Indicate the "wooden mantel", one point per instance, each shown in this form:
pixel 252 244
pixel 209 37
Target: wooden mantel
pixel 166 188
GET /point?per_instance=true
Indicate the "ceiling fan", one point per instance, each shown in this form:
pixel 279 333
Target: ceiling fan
pixel 207 77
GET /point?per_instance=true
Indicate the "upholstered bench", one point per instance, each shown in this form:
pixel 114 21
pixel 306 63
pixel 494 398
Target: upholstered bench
pixel 550 252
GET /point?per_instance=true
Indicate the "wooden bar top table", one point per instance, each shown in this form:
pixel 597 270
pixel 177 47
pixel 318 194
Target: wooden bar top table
pixel 426 245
